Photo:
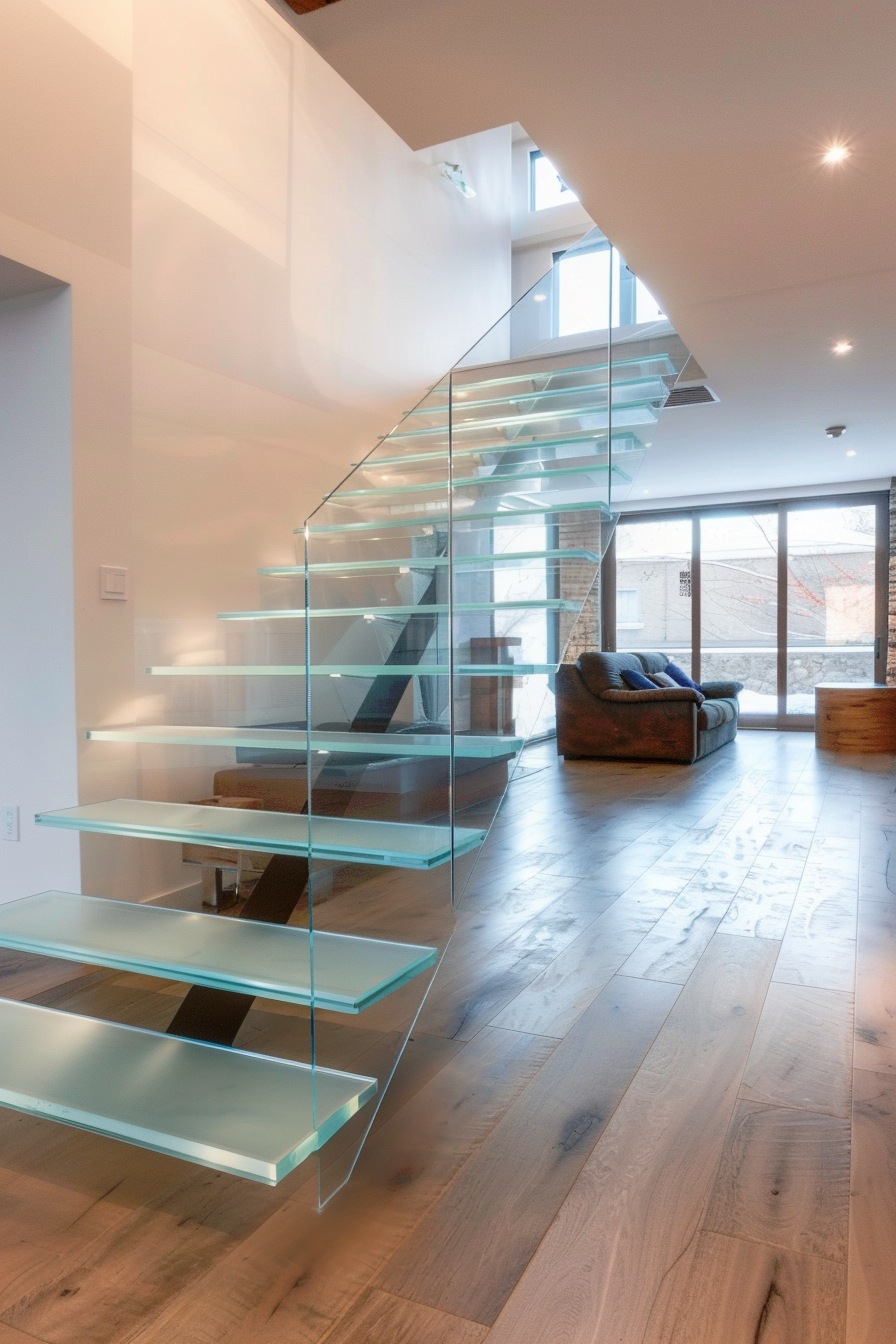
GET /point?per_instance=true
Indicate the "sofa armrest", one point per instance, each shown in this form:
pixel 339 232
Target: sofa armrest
pixel 721 690
pixel 662 695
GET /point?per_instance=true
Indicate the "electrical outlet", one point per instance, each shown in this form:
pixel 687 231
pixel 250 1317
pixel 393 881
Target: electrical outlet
pixel 10 823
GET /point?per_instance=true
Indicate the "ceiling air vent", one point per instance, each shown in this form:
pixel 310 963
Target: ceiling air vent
pixel 694 395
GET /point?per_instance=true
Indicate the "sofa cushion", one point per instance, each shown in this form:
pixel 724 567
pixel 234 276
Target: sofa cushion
pixel 652 662
pixel 713 713
pixel 636 681
pixel 678 674
pixel 722 690
pixel 603 671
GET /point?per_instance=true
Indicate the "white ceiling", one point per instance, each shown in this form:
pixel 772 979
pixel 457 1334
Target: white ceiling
pixel 693 135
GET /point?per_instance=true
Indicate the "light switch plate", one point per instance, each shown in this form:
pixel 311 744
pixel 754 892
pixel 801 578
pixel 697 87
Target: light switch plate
pixel 113 583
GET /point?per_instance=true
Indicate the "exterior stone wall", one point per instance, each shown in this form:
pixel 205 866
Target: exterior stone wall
pixel 805 667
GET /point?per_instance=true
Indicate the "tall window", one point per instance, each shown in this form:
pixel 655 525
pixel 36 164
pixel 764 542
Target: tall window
pixel 546 186
pixel 594 282
pixel 779 598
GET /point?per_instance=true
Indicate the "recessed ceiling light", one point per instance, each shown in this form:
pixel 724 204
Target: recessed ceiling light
pixel 836 153
pixel 841 347
pixel 850 452
pixel 539 298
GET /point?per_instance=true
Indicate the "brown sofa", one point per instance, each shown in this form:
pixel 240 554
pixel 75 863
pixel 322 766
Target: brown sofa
pixel 598 715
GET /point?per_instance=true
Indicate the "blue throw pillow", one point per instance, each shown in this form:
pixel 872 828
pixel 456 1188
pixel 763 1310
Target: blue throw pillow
pixel 681 677
pixel 636 681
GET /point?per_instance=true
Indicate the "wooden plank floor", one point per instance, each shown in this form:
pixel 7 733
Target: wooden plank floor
pixel 651 1099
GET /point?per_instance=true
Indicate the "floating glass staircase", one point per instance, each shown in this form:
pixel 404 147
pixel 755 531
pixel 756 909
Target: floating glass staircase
pixel 416 636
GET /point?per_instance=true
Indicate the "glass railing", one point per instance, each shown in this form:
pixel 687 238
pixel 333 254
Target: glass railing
pixel 462 549
pixel 373 703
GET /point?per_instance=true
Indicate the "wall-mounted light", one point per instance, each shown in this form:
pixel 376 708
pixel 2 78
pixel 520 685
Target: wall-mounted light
pixel 454 174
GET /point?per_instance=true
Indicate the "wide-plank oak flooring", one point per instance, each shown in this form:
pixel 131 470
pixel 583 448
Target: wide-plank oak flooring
pixel 650 1099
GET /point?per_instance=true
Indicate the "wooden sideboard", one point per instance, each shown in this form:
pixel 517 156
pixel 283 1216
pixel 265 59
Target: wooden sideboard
pixel 855 716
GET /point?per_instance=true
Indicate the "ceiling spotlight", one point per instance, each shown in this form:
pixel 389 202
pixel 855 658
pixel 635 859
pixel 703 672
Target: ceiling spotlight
pixel 850 452
pixel 539 298
pixel 835 431
pixel 835 153
pixel 454 174
pixel 841 347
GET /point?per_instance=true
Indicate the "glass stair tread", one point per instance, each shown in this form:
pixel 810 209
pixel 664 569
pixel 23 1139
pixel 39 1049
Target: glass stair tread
pixel 384 843
pixel 646 387
pixel 272 961
pixel 658 365
pixel 527 477
pixel 596 438
pixel 352 670
pixel 418 609
pixel 539 427
pixel 432 562
pixel 249 1115
pixel 614 412
pixel 296 739
pixel 495 515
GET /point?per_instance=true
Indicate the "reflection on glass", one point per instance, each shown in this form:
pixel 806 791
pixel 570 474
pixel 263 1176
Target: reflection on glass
pixel 830 599
pixel 653 587
pixel 739 568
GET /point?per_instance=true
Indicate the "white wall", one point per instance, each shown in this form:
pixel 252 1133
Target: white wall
pixel 300 278
pixel 65 212
pixel 38 748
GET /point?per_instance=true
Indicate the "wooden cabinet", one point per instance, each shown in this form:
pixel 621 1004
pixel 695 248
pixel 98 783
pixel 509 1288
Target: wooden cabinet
pixel 857 717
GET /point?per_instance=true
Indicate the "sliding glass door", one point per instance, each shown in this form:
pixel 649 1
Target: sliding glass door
pixel 779 597
pixel 831 619
pixel 739 604
pixel 654 586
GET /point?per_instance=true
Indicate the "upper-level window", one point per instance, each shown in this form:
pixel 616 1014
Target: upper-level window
pixel 546 186
pixel 594 282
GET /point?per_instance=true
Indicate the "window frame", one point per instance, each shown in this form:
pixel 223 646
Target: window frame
pixel 534 156
pixel 781 720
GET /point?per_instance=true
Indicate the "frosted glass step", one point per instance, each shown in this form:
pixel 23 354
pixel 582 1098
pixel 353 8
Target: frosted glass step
pixel 351 670
pixel 500 514
pixel 249 1115
pixel 600 441
pixel 433 562
pixel 656 365
pixel 571 400
pixel 542 431
pixel 390 843
pixel 296 739
pixel 529 476
pixel 272 961
pixel 370 613
pixel 508 428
